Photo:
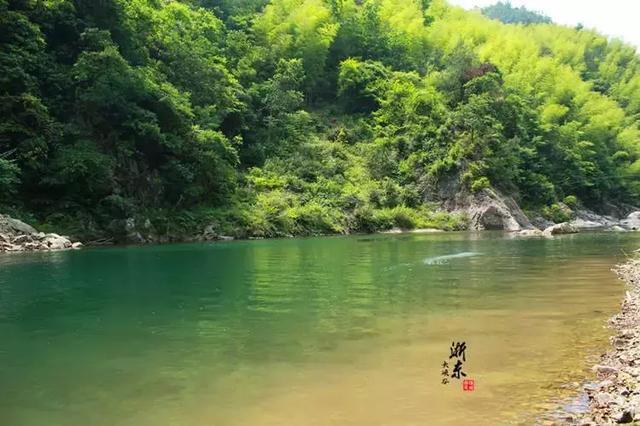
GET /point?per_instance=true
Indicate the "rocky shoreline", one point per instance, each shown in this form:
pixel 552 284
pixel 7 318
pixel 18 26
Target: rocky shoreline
pixel 492 210
pixel 17 236
pixel 614 396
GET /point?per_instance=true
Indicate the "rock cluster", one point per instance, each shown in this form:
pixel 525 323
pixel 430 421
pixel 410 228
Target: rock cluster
pixel 587 221
pixel 614 397
pixel 17 236
pixel 559 229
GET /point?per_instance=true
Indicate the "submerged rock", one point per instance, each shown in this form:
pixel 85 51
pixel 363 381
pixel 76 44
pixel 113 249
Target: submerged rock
pixel 393 231
pixel 531 233
pixel 56 242
pixel 426 231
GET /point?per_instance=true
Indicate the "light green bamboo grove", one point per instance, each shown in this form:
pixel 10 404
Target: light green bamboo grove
pixel 304 116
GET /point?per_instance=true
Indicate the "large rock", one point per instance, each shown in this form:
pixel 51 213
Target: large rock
pixel 488 210
pixel 9 225
pixel 632 221
pixel 56 242
pixel 560 229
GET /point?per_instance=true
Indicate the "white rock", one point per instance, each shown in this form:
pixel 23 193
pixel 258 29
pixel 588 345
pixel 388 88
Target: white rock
pixel 632 221
pixel 56 242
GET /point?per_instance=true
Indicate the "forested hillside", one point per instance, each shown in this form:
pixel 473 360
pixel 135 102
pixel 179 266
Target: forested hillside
pixel 507 13
pixel 261 118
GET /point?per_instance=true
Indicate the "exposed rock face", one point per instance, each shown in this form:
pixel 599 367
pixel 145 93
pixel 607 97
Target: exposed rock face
pixel 560 229
pixel 11 226
pixel 18 236
pixel 541 223
pixel 489 210
pixel 589 221
pixel 632 222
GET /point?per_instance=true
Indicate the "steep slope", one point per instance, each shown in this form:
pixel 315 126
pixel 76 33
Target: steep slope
pixel 253 118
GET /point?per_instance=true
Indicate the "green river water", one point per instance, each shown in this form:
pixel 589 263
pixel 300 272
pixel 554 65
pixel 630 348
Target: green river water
pixel 319 331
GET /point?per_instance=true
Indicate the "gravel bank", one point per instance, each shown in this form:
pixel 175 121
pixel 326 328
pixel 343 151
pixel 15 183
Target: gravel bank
pixel 614 396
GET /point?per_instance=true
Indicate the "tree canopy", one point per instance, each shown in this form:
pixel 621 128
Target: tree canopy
pixel 304 116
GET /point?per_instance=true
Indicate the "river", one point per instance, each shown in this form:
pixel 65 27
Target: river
pixel 319 331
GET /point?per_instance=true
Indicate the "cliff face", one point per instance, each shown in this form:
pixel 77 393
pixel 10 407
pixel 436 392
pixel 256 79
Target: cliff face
pixel 490 210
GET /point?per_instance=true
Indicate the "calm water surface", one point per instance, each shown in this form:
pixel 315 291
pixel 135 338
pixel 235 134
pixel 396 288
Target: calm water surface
pixel 323 331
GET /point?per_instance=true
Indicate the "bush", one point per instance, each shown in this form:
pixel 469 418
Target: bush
pixel 480 184
pixel 557 213
pixel 314 218
pixel 571 201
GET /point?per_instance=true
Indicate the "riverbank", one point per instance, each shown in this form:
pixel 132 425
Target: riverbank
pixel 614 396
pixel 17 236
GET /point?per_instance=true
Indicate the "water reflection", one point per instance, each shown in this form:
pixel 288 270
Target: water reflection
pixel 309 331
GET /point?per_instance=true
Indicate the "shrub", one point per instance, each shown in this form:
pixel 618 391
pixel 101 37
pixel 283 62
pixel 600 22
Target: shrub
pixel 557 213
pixel 314 218
pixel 480 184
pixel 571 201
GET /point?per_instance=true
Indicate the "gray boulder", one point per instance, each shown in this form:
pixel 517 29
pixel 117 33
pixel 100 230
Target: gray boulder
pixel 632 222
pixel 16 235
pixel 489 210
pixel 560 229
pixel 9 225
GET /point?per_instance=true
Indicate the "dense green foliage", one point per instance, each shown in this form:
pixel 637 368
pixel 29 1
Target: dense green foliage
pixel 505 12
pixel 303 116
